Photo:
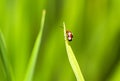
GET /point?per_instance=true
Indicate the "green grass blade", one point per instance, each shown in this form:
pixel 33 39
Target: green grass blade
pixel 116 74
pixel 33 58
pixel 72 59
pixel 3 57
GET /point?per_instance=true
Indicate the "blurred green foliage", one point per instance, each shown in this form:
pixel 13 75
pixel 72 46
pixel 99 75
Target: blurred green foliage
pixel 96 28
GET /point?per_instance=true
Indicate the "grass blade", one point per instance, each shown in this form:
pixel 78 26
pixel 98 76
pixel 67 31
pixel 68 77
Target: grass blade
pixel 3 56
pixel 72 59
pixel 33 58
pixel 116 74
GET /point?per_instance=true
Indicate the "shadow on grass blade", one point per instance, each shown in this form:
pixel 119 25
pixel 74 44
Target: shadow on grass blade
pixel 33 58
pixel 72 59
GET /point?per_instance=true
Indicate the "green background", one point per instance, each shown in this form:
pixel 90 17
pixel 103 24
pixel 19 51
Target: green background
pixel 96 29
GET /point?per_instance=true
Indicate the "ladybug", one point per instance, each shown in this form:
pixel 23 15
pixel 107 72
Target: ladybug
pixel 69 35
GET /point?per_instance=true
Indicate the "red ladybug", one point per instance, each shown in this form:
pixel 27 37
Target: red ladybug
pixel 69 35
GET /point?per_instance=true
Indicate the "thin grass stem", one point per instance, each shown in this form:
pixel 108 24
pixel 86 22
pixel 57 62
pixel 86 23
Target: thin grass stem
pixel 72 59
